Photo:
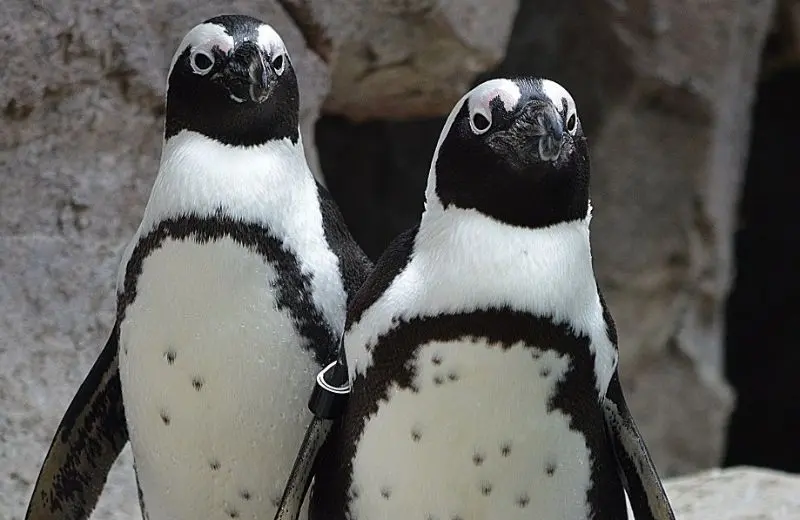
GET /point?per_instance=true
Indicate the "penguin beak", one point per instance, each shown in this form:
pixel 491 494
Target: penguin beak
pixel 540 124
pixel 247 75
pixel 549 128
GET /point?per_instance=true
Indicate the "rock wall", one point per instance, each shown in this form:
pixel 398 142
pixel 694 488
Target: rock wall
pixel 664 90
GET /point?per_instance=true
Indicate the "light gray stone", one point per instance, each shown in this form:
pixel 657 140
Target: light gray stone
pixel 401 59
pixel 742 493
pixel 56 308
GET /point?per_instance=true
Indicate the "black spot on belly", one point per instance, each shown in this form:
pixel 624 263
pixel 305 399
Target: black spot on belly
pixel 523 500
pixel 416 434
pixel 478 459
pixel 452 376
pixel 550 469
pixel 505 449
pixel 245 494
pixel 436 359
pixel 438 380
pixel 165 417
pixel 536 354
pixel 544 372
pixel 275 501
pixel 197 383
pixel 386 492
pixel 414 388
pixel 213 464
pixel 169 355
pixel 486 488
pixel 233 513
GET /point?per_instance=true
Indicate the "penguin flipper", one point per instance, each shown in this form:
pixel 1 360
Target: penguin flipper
pixel 646 493
pixel 89 439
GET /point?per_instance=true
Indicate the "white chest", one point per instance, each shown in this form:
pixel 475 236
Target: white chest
pixel 475 441
pixel 215 383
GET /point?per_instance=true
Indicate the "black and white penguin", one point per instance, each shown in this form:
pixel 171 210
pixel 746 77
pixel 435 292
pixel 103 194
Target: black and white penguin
pixel 482 359
pixel 231 297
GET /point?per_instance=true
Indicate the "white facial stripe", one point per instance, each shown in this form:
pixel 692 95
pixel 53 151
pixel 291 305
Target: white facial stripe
pixel 481 95
pixel 270 41
pixel 204 36
pixel 556 93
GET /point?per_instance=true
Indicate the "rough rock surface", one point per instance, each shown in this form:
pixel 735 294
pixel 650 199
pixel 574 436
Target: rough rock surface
pixel 669 121
pixel 740 493
pixel 81 119
pixel 665 91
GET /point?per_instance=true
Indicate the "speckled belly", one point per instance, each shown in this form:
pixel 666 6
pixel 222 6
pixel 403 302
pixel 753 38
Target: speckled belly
pixel 473 438
pixel 214 381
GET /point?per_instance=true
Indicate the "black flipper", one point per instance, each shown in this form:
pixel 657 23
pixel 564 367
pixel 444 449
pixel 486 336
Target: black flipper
pixel 89 439
pixel 327 403
pixel 646 493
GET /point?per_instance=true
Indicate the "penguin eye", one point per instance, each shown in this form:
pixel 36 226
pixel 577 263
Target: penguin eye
pixel 278 64
pixel 201 61
pixel 480 123
pixel 572 124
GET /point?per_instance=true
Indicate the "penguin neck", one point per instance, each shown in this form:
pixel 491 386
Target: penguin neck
pixel 546 271
pixel 268 184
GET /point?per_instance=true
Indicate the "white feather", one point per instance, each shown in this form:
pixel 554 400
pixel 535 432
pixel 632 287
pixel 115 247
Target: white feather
pixel 270 41
pixel 556 93
pixel 203 36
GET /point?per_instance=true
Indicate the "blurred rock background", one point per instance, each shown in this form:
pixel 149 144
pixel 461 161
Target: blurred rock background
pixel 689 107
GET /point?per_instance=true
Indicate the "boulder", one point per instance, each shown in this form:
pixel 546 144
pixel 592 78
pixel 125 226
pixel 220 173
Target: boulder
pixel 741 493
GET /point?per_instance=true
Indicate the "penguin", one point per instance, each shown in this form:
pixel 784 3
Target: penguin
pixel 231 295
pixel 481 358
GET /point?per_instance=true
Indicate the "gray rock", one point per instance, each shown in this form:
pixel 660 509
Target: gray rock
pixel 56 308
pixel 416 58
pixel 741 493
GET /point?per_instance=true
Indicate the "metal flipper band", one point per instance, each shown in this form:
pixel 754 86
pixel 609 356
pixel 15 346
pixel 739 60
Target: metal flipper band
pixel 327 402
pixel 331 391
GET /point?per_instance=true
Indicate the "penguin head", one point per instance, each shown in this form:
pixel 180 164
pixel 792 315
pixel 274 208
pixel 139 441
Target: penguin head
pixel 515 151
pixel 232 80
